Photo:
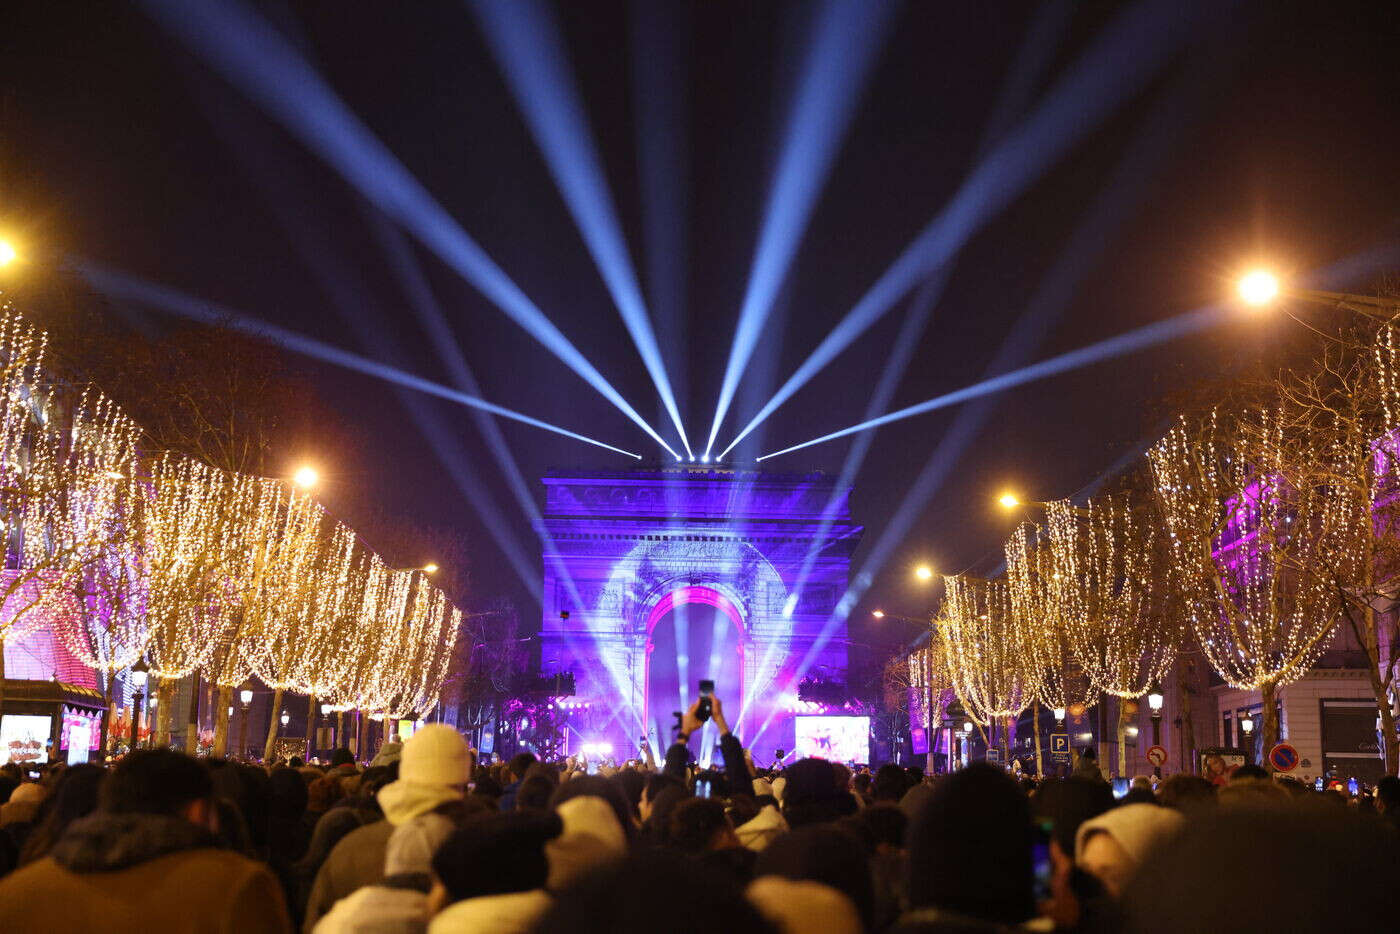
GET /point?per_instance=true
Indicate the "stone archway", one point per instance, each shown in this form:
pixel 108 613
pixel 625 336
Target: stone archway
pixel 718 653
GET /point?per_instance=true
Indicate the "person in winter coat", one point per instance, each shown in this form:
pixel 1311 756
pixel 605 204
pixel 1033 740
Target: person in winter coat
pixel 399 903
pixel 145 861
pixel 434 769
pixel 490 875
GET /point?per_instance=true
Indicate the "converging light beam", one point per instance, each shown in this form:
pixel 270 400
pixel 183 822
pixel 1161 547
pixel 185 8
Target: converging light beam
pixel 164 298
pixel 252 56
pixel 524 37
pixel 847 37
pixel 1119 63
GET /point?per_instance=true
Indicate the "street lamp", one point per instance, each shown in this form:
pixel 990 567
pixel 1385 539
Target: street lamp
pixel 285 718
pixel 139 672
pixel 1260 287
pixel 878 614
pixel 306 477
pixel 1010 501
pixel 430 568
pixel 8 253
pixel 923 572
pixel 245 697
pixel 1247 725
pixel 1155 701
pixel 1059 713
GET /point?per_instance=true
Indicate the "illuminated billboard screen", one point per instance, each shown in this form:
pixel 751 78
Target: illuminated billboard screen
pixel 840 739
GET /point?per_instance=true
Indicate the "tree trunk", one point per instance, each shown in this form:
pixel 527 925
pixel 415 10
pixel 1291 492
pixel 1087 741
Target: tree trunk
pixel 310 727
pixel 109 712
pixel 1269 733
pixel 1188 725
pixel 221 707
pixel 340 730
pixel 192 720
pixel 1039 761
pixel 274 721
pixel 1121 732
pixel 165 712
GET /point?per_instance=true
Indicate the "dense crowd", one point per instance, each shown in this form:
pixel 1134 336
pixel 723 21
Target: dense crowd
pixel 425 839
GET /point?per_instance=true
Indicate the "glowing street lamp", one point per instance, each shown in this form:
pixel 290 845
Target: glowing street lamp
pixel 1260 287
pixel 306 477
pixel 1009 501
pixel 430 568
pixel 8 253
pixel 923 572
pixel 878 614
pixel 1155 700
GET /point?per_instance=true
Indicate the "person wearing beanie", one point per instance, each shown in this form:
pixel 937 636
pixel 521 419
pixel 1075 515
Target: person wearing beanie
pixel 490 875
pixel 591 835
pixel 434 769
pixel 399 903
pixel 797 907
pixel 1110 847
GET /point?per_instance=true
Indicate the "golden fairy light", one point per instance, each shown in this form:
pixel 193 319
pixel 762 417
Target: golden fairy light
pixel 1113 591
pixel 1051 671
pixel 984 649
pixel 1242 535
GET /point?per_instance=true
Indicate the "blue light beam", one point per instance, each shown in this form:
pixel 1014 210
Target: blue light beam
pixel 1119 63
pixel 848 36
pixel 524 37
pixel 1149 335
pixel 252 56
pixel 120 285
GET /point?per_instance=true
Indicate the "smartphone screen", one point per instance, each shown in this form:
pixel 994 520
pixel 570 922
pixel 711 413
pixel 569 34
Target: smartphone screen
pixel 1041 864
pixel 707 687
pixel 1120 787
pixel 702 788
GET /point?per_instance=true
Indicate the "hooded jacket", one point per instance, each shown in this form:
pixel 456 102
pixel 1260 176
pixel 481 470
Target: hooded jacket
pixel 139 873
pixel 358 859
pixel 762 829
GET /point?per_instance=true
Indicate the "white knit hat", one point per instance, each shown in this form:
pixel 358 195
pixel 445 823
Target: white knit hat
pixel 435 755
pixel 1134 827
pixel 591 836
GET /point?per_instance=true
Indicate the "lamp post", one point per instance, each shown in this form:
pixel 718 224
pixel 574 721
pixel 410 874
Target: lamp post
pixel 245 699
pixel 1261 287
pixel 139 672
pixel 1247 726
pixel 326 716
pixel 967 741
pixel 1155 701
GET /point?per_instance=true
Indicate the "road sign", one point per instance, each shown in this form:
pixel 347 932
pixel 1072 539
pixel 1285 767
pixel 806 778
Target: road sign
pixel 1283 757
pixel 1156 755
pixel 1059 744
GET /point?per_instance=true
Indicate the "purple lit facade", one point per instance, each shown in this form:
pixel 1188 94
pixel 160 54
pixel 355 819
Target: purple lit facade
pixel 670 576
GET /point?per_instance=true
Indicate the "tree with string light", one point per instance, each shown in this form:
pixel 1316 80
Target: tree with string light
pixel 1055 678
pixel 1119 612
pixel 1242 535
pixel 985 651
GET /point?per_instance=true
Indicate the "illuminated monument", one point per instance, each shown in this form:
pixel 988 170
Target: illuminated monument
pixel 656 579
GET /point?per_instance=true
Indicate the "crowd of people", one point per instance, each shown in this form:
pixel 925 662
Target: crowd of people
pixel 426 839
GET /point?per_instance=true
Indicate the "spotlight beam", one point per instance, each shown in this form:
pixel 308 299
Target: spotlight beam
pixel 847 39
pixel 1112 207
pixel 1119 63
pixel 1137 339
pixel 252 56
pixel 164 298
pixel 524 37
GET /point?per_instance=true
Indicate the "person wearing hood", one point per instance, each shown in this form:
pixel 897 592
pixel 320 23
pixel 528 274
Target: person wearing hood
pixel 490 875
pixel 145 861
pixel 434 769
pixel 398 904
pixel 592 834
pixel 762 829
pixel 1110 847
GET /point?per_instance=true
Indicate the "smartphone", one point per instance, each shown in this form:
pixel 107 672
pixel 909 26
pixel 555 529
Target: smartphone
pixel 1319 784
pixel 1120 787
pixel 1352 787
pixel 707 688
pixel 702 787
pixel 1042 866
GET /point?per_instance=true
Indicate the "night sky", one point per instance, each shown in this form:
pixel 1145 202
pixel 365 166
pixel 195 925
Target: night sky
pixel 120 145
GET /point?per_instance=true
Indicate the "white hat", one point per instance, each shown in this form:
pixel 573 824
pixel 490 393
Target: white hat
pixel 412 845
pixel 796 906
pixel 591 836
pixel 435 755
pixel 1134 827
